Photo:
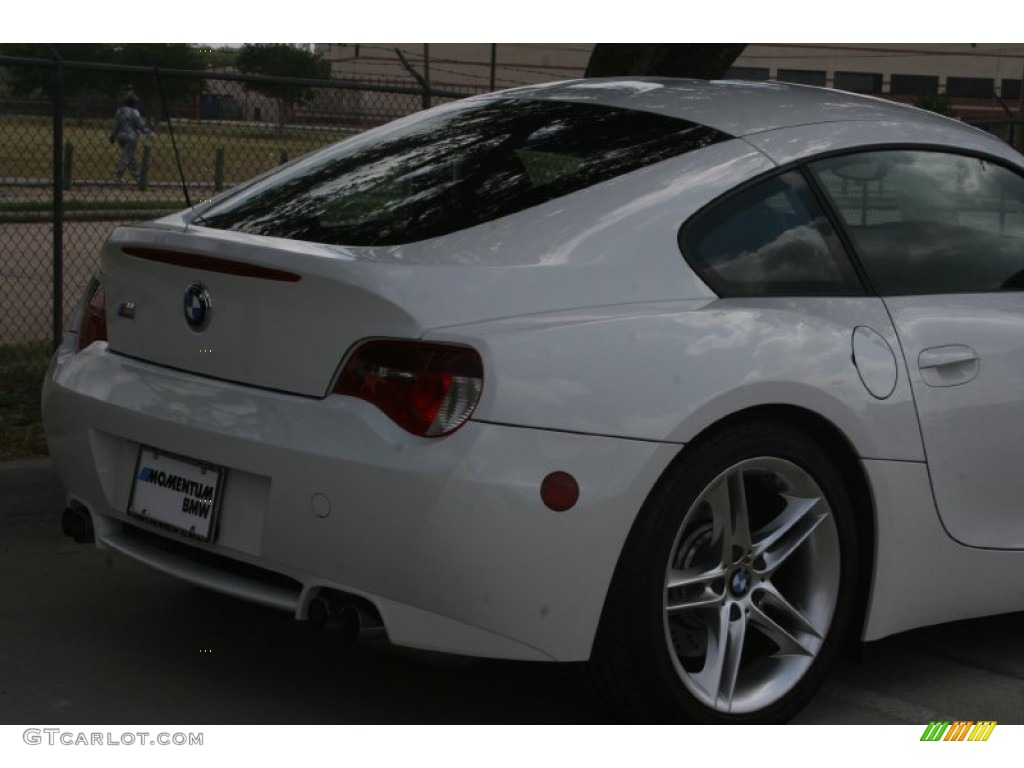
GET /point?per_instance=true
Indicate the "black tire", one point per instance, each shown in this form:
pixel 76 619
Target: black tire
pixel 743 637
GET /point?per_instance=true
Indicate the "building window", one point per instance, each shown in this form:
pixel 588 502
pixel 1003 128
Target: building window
pixel 1011 89
pixel 914 85
pixel 802 76
pixel 858 82
pixel 747 73
pixel 979 87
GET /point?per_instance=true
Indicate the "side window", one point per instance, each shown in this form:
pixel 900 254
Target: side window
pixel 771 239
pixel 930 222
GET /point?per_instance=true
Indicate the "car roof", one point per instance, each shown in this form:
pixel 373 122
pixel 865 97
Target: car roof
pixel 735 107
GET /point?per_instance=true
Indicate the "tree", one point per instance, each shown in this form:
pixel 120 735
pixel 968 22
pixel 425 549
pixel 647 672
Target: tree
pixel 938 103
pixel 163 56
pixel 223 58
pixel 30 81
pixel 282 60
pixel 85 85
pixel 707 61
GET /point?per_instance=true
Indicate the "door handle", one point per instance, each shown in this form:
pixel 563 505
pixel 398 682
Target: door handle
pixel 948 366
pixel 938 357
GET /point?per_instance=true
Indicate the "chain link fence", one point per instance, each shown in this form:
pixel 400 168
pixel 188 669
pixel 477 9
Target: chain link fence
pixel 61 193
pixel 64 185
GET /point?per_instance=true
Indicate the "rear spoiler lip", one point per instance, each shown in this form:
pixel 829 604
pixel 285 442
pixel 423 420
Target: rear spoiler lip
pixel 210 264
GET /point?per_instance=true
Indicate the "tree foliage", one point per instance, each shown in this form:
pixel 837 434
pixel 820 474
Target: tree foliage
pixel 85 83
pixel 31 81
pixel 938 103
pixel 223 57
pixel 707 61
pixel 281 60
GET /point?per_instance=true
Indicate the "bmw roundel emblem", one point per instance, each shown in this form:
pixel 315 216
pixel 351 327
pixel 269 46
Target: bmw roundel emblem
pixel 198 306
pixel 740 582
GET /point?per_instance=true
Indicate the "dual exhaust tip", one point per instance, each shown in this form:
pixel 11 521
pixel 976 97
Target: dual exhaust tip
pixel 346 615
pixel 341 614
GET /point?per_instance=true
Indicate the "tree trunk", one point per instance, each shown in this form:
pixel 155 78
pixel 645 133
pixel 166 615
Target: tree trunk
pixel 707 61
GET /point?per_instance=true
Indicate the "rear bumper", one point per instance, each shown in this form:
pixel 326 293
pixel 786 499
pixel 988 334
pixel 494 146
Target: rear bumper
pixel 447 537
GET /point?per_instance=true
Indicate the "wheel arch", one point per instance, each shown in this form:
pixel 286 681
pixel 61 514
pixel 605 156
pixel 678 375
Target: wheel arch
pixel 626 664
pixel 840 449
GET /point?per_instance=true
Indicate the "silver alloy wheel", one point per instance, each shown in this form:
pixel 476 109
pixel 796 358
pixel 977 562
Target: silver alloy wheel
pixel 751 585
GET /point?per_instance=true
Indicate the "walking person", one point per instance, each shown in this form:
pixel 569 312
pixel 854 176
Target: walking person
pixel 128 126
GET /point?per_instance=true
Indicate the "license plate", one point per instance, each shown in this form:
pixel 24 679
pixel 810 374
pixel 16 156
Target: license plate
pixel 176 493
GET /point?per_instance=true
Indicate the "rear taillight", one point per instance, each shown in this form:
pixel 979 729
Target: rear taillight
pixel 427 389
pixel 93 326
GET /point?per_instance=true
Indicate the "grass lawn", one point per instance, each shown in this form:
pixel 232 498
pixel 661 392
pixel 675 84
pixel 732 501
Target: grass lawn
pixel 26 149
pixel 22 367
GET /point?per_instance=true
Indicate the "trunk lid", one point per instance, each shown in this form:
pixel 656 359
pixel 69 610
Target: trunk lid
pixel 280 315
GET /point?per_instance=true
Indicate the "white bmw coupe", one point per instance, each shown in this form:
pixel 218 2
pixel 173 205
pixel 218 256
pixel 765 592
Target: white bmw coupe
pixel 696 381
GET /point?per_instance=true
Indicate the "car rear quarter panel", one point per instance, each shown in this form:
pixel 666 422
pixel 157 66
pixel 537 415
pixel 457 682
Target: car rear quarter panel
pixel 665 372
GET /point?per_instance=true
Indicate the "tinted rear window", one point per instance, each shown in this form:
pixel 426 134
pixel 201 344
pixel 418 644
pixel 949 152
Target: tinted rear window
pixel 457 170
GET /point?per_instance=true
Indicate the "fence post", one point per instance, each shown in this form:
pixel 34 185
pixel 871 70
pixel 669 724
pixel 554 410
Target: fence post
pixel 58 199
pixel 1020 113
pixel 218 170
pixel 282 157
pixel 494 64
pixel 147 151
pixel 420 79
pixel 426 75
pixel 69 156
